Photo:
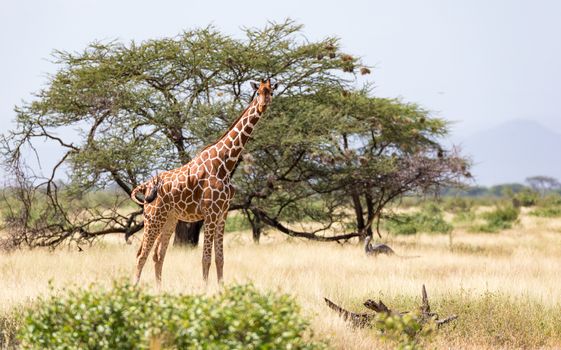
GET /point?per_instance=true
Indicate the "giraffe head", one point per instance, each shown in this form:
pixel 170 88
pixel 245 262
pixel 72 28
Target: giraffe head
pixel 264 91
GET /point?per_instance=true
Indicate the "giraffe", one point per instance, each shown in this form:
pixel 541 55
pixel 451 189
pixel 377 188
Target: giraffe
pixel 199 190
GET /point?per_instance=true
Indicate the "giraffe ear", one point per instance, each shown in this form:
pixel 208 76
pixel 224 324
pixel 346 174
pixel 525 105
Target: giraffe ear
pixel 275 86
pixel 254 85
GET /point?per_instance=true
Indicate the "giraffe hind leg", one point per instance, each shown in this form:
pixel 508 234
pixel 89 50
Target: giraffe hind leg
pixel 151 232
pixel 156 254
pixel 161 249
pixel 219 250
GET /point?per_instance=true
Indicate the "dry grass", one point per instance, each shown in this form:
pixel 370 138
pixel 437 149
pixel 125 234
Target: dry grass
pixel 505 287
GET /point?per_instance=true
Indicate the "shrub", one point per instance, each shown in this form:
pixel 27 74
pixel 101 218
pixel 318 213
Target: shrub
pixel 458 205
pixel 465 217
pixel 525 198
pixel 237 222
pixel 547 212
pixel 548 207
pixel 553 199
pixel 402 225
pixel 499 219
pixel 404 330
pixel 125 317
pixel 429 219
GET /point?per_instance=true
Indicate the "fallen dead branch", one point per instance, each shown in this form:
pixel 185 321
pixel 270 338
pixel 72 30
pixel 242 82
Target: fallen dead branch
pixel 362 320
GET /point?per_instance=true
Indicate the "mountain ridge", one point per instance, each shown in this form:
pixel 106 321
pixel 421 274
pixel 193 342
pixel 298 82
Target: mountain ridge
pixel 512 151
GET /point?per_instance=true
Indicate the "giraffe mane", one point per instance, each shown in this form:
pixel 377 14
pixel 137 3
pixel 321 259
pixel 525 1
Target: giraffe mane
pixel 230 128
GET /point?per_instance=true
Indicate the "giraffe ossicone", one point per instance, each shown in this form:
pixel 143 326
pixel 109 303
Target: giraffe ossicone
pixel 198 190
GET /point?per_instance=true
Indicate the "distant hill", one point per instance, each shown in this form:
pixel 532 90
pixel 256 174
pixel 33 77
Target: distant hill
pixel 513 151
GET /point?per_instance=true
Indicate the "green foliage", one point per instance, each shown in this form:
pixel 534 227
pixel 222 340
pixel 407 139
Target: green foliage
pixel 86 319
pixel 552 199
pixel 501 218
pixel 465 217
pixel 405 330
pixel 125 317
pixel 547 212
pixel 457 204
pixel 430 219
pixel 236 222
pixel 143 107
pixel 506 190
pixel 463 209
pixel 525 198
pixel 104 199
pixel 140 108
pixel 549 206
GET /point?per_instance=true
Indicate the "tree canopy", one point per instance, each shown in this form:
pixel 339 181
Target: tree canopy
pixel 138 108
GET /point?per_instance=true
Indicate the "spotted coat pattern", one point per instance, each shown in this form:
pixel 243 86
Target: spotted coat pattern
pixel 199 190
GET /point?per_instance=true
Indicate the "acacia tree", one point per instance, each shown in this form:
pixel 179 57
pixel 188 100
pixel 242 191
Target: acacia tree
pixel 141 108
pixel 543 184
pixel 384 149
pixel 341 150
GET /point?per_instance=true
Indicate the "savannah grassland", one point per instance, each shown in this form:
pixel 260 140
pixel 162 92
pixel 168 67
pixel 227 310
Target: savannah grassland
pixel 505 287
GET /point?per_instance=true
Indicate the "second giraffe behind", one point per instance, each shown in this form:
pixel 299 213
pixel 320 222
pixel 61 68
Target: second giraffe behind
pixel 199 190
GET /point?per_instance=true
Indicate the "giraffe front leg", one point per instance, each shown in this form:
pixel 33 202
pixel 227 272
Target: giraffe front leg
pixel 219 250
pixel 210 227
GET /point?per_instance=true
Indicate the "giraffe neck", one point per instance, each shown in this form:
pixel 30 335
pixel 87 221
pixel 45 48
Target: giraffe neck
pixel 235 139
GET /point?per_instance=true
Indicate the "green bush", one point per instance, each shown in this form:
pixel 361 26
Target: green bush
pixel 237 222
pixel 466 217
pixel 125 317
pixel 552 199
pixel 501 218
pixel 525 198
pixel 429 219
pixel 405 331
pixel 548 206
pixel 547 212
pixel 458 205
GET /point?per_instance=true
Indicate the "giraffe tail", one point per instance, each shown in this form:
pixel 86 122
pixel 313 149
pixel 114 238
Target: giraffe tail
pixel 148 198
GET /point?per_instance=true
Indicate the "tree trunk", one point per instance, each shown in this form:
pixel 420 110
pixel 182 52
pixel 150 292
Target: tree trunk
pixel 370 209
pixel 187 233
pixel 256 224
pixel 256 227
pixel 358 214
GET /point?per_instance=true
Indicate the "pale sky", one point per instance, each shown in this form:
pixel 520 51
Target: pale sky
pixel 479 63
